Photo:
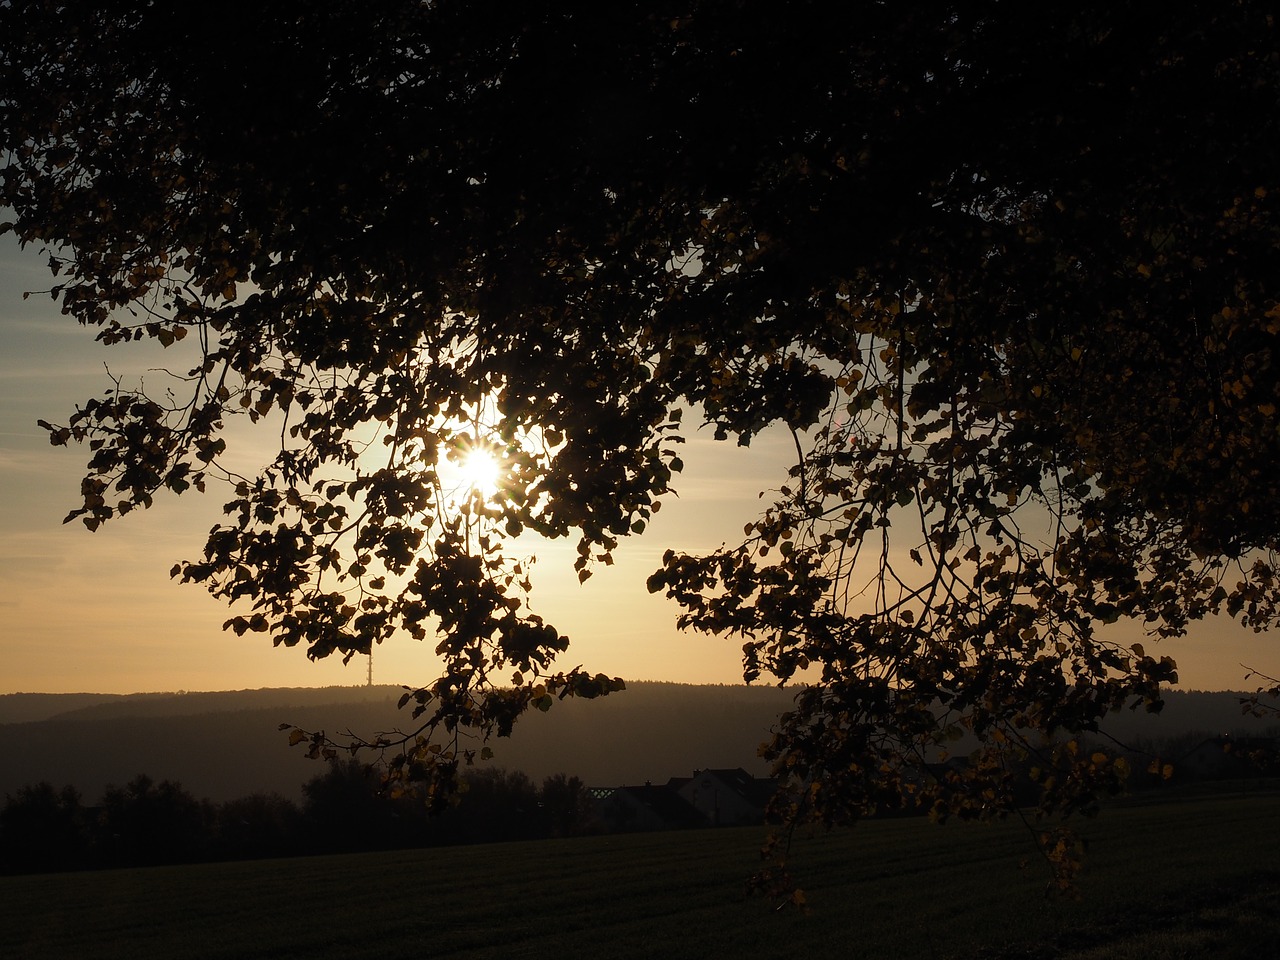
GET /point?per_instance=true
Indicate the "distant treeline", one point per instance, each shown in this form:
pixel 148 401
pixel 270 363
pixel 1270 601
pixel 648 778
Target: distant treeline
pixel 228 745
pixel 344 810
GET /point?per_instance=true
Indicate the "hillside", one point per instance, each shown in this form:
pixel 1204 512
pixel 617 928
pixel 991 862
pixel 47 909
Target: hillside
pixel 28 707
pixel 227 745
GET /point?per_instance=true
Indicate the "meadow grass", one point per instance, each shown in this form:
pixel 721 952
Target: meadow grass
pixel 1199 877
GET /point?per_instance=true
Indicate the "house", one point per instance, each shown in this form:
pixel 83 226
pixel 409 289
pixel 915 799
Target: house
pixel 726 797
pixel 649 807
pixel 1226 757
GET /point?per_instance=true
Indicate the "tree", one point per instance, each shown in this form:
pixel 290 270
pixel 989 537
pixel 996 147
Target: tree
pixel 348 810
pixel 145 823
pixel 495 805
pixel 1007 274
pixel 43 829
pixel 566 806
pixel 258 826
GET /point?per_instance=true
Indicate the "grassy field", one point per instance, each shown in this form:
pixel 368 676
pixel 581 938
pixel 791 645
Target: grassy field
pixel 1195 878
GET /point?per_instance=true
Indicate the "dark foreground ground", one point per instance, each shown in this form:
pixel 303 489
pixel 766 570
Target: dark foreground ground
pixel 1194 876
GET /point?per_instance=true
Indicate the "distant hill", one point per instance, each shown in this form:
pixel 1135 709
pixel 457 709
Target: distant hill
pixel 1187 711
pixel 26 707
pixel 227 745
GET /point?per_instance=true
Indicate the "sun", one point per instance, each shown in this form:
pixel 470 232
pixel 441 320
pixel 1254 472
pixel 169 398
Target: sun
pixel 481 472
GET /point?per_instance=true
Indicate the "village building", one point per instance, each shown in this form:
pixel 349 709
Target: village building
pixel 648 807
pixel 726 797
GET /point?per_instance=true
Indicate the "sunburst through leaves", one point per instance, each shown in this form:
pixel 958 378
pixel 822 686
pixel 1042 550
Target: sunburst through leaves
pixel 481 471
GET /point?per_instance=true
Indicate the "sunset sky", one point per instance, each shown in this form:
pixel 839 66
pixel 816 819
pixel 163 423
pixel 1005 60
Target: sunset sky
pixel 98 612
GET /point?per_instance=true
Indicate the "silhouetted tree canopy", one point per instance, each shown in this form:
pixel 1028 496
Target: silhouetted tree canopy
pixel 148 823
pixel 43 828
pixel 1006 270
